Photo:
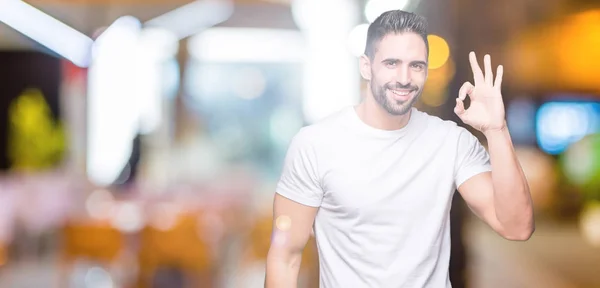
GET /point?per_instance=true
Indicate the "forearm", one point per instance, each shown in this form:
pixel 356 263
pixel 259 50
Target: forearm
pixel 512 199
pixel 282 269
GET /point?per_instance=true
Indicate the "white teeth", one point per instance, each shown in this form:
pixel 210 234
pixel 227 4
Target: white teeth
pixel 400 93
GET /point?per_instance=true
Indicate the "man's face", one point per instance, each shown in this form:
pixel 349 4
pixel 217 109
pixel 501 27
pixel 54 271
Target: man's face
pixel 398 71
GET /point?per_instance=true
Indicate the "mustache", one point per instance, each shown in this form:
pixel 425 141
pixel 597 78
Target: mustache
pixel 397 86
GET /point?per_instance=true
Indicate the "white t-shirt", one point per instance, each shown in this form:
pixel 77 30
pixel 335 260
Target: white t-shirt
pixel 384 196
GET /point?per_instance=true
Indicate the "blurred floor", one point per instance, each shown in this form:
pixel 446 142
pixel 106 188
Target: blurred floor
pixel 30 274
pixel 555 257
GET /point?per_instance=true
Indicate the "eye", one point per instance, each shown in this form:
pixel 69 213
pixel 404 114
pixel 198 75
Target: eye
pixel 417 66
pixel 391 64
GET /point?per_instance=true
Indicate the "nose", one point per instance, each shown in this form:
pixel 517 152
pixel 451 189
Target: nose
pixel 403 75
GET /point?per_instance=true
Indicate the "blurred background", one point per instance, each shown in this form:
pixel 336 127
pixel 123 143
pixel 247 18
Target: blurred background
pixel 141 140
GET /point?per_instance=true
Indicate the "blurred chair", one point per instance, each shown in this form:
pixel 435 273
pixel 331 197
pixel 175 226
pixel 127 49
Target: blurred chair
pixel 180 249
pixel 94 241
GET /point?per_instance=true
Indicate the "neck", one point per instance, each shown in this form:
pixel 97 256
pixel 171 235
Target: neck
pixel 370 112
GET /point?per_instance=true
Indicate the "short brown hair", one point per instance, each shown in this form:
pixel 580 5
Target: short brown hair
pixel 394 21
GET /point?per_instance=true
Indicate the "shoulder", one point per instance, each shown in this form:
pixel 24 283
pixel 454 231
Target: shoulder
pixel 453 132
pixel 322 131
pixel 440 126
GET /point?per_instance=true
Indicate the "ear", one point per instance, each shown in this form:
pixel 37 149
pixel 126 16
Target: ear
pixel 365 67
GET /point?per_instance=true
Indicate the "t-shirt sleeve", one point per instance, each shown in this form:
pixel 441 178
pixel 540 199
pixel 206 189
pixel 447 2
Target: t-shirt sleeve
pixel 300 179
pixel 472 158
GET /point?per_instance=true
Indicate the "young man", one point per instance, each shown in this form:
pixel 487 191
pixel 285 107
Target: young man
pixel 376 180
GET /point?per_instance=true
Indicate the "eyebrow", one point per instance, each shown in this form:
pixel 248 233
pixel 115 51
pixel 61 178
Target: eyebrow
pixel 395 60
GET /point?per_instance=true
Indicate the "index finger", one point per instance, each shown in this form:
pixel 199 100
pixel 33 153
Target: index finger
pixel 477 73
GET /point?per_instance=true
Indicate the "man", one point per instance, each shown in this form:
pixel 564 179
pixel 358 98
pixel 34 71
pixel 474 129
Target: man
pixel 376 180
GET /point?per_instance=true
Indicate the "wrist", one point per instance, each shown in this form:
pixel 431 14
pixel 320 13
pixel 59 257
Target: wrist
pixel 496 131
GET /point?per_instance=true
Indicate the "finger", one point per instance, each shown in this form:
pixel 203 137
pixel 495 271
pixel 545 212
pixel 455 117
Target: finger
pixel 459 109
pixel 487 64
pixel 465 89
pixel 499 74
pixel 477 74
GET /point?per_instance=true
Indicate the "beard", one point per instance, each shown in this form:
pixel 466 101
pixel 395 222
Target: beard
pixel 392 106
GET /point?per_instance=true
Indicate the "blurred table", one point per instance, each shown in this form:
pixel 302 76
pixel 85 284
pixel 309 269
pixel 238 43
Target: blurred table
pixel 555 257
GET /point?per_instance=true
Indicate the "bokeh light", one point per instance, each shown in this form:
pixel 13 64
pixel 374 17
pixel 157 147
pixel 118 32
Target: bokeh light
pixel 570 46
pixel 541 173
pixel 520 118
pixel 581 164
pixel 250 83
pixel 559 124
pixel 100 204
pixel 439 51
pixel 435 92
pixel 375 8
pixel 577 50
pixel 589 223
pixel 357 40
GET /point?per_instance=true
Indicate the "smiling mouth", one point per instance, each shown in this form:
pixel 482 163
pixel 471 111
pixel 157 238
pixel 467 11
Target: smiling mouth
pixel 401 93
